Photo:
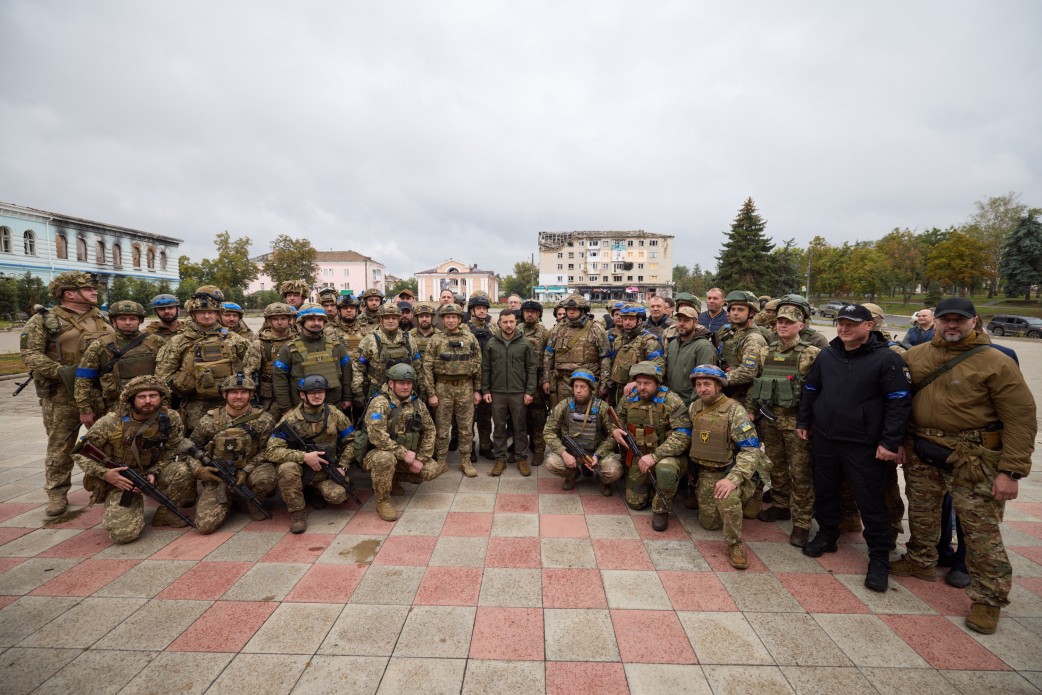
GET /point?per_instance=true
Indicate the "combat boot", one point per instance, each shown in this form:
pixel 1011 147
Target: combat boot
pixel 522 467
pixel 751 509
pixel 57 503
pixel 385 509
pixel 799 536
pixel 396 488
pixel 876 578
pixel 298 521
pixel 538 455
pixel 165 517
pixel 571 475
pixel 691 501
pixel 499 467
pixel 774 514
pixel 983 618
pixel 906 568
pixel 737 557
pixel 606 489
pixel 659 521
pixel 468 468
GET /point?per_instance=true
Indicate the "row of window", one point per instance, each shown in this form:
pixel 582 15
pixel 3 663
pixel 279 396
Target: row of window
pixel 593 254
pixel 594 266
pixel 594 243
pixel 101 254
pixel 597 278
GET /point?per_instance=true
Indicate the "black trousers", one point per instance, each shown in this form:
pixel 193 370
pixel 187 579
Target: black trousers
pixel 834 461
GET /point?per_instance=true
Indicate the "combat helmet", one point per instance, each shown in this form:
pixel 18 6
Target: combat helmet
pixel 143 383
pixel 206 297
pixel 401 372
pixel 709 371
pixel 126 307
pixel 388 309
pixel 311 310
pixel 797 301
pixel 231 307
pixel 300 287
pixel 327 294
pixel 372 292
pixel 743 297
pixel 279 309
pixel 451 308
pixel 646 369
pixel 164 300
pixel 71 280
pixel 347 300
pixel 772 305
pixel 634 309
pixel 315 382
pixel 583 375
pixel 478 298
pixel 689 299
pixel 236 381
pixel 424 308
pixel 575 301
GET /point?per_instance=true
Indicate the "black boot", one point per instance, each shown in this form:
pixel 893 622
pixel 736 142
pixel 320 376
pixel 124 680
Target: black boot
pixel 878 576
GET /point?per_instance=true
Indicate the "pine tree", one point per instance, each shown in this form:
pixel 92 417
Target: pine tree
pixel 1021 265
pixel 745 263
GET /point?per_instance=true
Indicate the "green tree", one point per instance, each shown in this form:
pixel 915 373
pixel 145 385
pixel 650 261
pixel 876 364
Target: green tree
pixel 689 280
pixel 959 263
pixel 9 297
pixel 790 262
pixel 867 271
pixel 905 261
pixel 404 284
pixel 827 268
pixel 522 280
pixel 993 221
pixel 745 262
pixel 261 299
pixel 291 259
pixel 232 268
pixel 1021 265
pixel 32 291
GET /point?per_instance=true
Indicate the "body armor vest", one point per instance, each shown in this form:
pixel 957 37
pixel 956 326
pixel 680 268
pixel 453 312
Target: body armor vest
pixel 625 357
pixel 148 441
pixel 482 333
pixel 405 424
pixel 394 353
pixel 211 363
pixel 731 350
pixel 138 361
pixel 572 350
pixel 316 362
pixel 585 428
pixel 711 433
pixel 235 444
pixel 72 334
pixel 648 421
pixel 421 340
pixel 352 337
pixel 456 356
pixel 779 383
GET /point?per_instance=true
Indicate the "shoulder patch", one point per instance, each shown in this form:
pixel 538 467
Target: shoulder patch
pixel 749 361
pixel 746 427
pixel 376 416
pixel 908 374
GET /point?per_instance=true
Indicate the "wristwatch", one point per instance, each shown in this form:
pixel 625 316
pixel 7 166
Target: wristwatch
pixel 1013 476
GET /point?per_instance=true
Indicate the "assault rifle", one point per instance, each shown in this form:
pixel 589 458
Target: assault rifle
pixel 225 471
pixel 576 449
pixel 329 467
pixel 140 481
pixel 768 413
pixel 21 386
pixel 633 455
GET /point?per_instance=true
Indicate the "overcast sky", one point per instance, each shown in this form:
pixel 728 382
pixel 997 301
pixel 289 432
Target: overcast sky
pixel 415 131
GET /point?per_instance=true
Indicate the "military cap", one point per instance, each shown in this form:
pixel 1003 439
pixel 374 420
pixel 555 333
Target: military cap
pixel 854 312
pixel 688 311
pixel 791 313
pixel 876 310
pixel 960 306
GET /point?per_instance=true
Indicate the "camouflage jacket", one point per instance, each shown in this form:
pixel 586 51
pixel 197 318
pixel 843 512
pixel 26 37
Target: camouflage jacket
pixel 537 334
pixel 260 361
pixel 291 365
pixel 43 334
pixel 243 331
pixel 387 419
pixel 744 440
pixel 743 349
pixel 98 377
pixel 146 447
pixel 374 359
pixel 159 328
pixel 639 346
pixel 556 427
pixel 177 357
pixel 325 425
pixel 583 346
pixel 240 440
pixel 667 415
pixel 452 355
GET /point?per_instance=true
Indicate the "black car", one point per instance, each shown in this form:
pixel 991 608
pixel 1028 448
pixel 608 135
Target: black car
pixel 830 310
pixel 1009 324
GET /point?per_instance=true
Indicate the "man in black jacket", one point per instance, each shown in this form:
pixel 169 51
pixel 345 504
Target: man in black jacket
pixel 857 399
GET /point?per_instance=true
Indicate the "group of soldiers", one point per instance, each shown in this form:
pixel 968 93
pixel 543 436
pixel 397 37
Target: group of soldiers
pixel 212 416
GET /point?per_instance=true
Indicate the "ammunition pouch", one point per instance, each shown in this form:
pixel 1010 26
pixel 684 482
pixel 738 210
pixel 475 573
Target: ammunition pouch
pixel 933 454
pixel 67 378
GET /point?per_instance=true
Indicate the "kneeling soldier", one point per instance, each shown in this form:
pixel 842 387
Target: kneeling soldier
pixel 234 435
pixel 308 436
pixel 143 435
pixel 726 450
pixel 402 435
pixel 658 420
pixel 584 419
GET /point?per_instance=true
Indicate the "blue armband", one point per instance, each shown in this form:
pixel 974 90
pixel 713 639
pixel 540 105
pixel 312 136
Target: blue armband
pixel 85 373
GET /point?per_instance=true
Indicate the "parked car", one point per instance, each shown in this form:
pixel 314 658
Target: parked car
pixel 830 310
pixel 1009 324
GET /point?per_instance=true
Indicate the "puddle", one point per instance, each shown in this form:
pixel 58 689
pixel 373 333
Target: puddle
pixel 362 552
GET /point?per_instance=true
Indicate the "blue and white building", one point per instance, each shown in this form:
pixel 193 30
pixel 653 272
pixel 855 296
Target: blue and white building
pixel 48 243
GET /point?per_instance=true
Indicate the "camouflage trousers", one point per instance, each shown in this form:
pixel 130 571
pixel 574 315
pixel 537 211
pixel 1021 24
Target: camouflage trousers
pixel 667 474
pixel 792 483
pixel 216 499
pixel 895 504
pixel 383 466
pixel 455 400
pixel 192 411
pixel 980 514
pixel 61 419
pixel 124 524
pixel 609 468
pixel 728 512
pixel 291 485
pixel 536 421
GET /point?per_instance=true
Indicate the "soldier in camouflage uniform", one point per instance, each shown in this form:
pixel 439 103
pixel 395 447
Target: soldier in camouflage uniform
pixel 369 320
pixel 536 334
pixel 402 435
pixel 452 377
pixel 578 343
pixel 808 334
pixel 52 345
pixel 726 450
pixel 144 435
pixel 232 319
pixel 585 418
pixel 421 337
pixel 236 433
pixel 739 343
pixel 327 297
pixel 972 432
pixel 481 327
pixel 259 363
pixel 633 344
pixel 380 350
pixel 312 352
pixel 658 420
pixel 768 315
pixel 167 308
pixel 196 360
pixel 110 363
pixel 295 292
pixel 327 428
pixel 785 364
pixel 347 323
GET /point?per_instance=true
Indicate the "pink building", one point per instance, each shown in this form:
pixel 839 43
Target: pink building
pixel 341 270
pixel 459 277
